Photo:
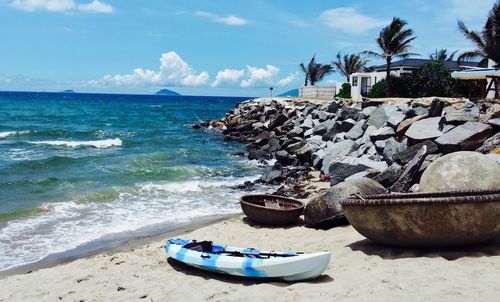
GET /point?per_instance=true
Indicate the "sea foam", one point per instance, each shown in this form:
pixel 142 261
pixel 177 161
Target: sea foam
pixel 102 144
pixel 12 133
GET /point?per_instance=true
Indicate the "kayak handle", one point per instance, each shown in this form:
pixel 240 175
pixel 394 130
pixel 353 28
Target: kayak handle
pixel 205 255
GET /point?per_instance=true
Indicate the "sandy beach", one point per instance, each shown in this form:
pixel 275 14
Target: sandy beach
pixel 359 271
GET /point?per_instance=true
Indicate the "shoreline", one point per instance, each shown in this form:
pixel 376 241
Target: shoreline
pixel 121 242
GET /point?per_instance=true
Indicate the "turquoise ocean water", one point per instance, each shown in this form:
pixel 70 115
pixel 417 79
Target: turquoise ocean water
pixel 75 168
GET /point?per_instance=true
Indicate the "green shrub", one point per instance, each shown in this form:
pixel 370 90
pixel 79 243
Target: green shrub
pixel 377 90
pixel 345 91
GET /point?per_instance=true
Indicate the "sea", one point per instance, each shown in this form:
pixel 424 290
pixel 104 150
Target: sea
pixel 79 168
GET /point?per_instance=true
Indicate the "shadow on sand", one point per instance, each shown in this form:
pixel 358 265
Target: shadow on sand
pixel 491 248
pixel 191 271
pixel 253 224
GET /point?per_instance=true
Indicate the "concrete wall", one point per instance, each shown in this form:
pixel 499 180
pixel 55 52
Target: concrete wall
pixel 317 92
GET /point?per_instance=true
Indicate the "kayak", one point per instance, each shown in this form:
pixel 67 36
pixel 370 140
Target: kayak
pixel 248 262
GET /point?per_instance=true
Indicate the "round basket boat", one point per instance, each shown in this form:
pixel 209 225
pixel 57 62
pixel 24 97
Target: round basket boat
pixel 443 219
pixel 271 209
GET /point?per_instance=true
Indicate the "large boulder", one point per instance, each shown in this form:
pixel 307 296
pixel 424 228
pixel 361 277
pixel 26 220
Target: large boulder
pixel 349 165
pixel 468 136
pixel 324 209
pixel 463 170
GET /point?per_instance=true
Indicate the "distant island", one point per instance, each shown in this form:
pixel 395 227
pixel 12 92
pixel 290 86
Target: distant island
pixel 68 91
pixel 293 92
pixel 166 92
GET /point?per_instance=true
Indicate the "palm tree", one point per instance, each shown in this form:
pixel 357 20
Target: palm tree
pixel 487 41
pixel 315 72
pixel 394 42
pixel 442 55
pixel 349 64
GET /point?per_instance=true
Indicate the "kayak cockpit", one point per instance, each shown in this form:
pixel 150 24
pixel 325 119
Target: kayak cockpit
pixel 208 247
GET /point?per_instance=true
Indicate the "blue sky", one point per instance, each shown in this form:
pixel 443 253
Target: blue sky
pixel 204 47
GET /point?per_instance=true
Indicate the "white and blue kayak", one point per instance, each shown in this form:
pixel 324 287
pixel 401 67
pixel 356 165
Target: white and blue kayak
pixel 248 262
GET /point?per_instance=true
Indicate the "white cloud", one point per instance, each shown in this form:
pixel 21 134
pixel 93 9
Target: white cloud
pixel 61 6
pixel 289 79
pixel 174 71
pixel 260 76
pixel 228 20
pixel 348 19
pixel 228 77
pixel 96 6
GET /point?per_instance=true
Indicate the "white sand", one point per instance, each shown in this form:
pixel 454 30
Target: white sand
pixel 358 271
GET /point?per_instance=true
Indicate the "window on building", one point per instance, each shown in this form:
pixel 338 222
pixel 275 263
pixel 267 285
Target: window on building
pixel 354 81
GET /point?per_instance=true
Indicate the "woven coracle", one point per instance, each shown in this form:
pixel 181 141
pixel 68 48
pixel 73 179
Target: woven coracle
pixel 441 219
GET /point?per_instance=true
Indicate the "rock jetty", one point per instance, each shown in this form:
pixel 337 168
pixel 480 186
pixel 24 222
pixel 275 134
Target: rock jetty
pixel 390 141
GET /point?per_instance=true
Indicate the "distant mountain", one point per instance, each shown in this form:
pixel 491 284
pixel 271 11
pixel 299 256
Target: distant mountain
pixel 293 92
pixel 68 91
pixel 167 92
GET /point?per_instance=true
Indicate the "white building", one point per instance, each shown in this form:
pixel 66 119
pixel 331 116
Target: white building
pixel 362 82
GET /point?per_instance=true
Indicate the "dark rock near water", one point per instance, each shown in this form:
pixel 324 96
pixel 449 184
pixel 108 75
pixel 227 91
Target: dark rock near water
pixel 279 120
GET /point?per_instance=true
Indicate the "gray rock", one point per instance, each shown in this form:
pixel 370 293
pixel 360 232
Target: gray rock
pixel 393 147
pixel 416 111
pixel 382 133
pixel 334 106
pixel 279 120
pixel 323 116
pixel 395 119
pixel 272 145
pixel 492 144
pixel 271 176
pixel 463 170
pixel 319 129
pixel 304 154
pixel 307 124
pixel 493 112
pixel 356 131
pixel 365 113
pixel 380 145
pixel 295 132
pixel 404 125
pixel 378 117
pixel 495 122
pixel 284 158
pixel 324 209
pixel 330 134
pixel 468 136
pixel 424 129
pixel 436 108
pixel 408 154
pixel 389 175
pixel 467 112
pixel 366 136
pixel 335 150
pixel 308 133
pixel 407 178
pixel 349 165
pixel 347 112
pixel 347 125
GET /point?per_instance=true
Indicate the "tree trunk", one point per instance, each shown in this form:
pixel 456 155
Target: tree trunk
pixel 305 81
pixel 388 77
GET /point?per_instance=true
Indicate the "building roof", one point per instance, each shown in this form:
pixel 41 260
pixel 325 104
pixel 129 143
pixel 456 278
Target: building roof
pixel 415 63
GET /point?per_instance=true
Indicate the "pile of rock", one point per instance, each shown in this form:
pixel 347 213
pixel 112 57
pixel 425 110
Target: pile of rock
pixel 390 143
